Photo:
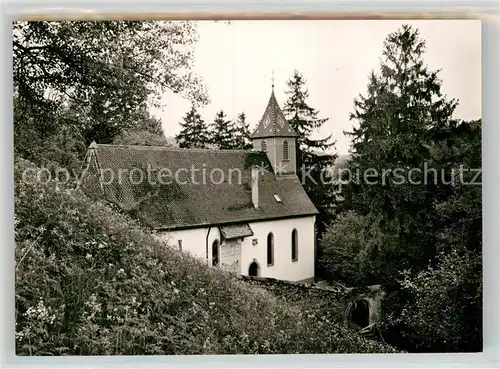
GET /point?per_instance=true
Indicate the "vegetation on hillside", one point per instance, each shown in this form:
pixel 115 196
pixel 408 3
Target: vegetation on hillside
pixel 91 282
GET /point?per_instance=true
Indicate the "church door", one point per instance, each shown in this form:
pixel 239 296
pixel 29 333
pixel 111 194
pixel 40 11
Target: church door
pixel 253 270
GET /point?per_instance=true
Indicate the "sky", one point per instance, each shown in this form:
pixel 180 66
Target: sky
pixel 236 61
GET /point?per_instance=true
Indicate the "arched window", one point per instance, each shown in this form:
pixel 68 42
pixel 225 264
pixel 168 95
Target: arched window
pixel 295 246
pixel 263 146
pixel 285 150
pixel 215 253
pixel 270 249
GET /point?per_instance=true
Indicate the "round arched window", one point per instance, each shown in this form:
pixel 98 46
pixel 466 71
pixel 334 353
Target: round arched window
pixel 270 249
pixel 295 246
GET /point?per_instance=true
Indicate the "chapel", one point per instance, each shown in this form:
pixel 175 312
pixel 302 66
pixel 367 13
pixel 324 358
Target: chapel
pixel 241 210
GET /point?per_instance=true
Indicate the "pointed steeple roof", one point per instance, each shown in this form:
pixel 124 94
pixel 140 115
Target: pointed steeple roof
pixel 273 122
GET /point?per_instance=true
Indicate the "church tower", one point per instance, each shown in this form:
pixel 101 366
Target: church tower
pixel 275 137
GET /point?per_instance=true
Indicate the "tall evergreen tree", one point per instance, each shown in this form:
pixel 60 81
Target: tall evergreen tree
pixel 223 132
pixel 242 139
pixel 314 156
pixel 194 132
pixel 399 119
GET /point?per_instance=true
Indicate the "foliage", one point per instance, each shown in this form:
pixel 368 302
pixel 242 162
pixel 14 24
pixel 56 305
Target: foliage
pixel 90 281
pixel 312 154
pixel 140 137
pixel 150 124
pixel 347 248
pixel 95 78
pixel 258 158
pixel 194 132
pixel 459 214
pixel 444 309
pixel 147 131
pixel 242 139
pixel 397 118
pixel 223 132
pixel 411 204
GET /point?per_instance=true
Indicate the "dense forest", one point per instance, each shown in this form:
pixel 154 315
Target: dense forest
pixel 416 230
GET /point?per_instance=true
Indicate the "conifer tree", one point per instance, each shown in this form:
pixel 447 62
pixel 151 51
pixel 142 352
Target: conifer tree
pixel 194 132
pixel 314 156
pixel 399 121
pixel 242 141
pixel 223 132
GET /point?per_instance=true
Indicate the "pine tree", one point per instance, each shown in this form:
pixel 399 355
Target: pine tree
pixel 313 158
pixel 223 132
pixel 242 141
pixel 194 132
pixel 399 119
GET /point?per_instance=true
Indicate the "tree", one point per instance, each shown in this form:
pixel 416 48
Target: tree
pixel 223 132
pixel 194 132
pixel 141 137
pixel 147 131
pixel 397 119
pixel 94 76
pixel 242 139
pixel 314 156
pixel 150 124
pixel 426 212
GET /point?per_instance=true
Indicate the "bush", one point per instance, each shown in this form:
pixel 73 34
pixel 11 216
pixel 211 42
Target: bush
pixel 443 312
pixel 356 251
pixel 90 281
pixel 341 246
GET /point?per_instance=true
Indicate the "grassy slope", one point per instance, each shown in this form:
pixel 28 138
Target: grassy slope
pixel 92 282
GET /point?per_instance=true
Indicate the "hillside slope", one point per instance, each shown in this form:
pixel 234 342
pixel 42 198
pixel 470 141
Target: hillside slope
pixel 90 281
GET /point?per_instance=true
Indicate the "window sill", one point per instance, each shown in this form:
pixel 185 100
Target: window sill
pixel 295 260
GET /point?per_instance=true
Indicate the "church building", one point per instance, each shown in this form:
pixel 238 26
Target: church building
pixel 241 210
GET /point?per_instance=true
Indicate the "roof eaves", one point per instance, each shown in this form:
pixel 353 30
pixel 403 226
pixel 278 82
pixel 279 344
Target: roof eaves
pixel 218 224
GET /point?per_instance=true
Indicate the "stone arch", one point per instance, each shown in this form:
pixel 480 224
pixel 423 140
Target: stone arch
pixel 359 313
pixel 365 307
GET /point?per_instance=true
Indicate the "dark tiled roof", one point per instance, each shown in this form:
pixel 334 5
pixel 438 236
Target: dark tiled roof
pixel 236 231
pixel 173 197
pixel 273 122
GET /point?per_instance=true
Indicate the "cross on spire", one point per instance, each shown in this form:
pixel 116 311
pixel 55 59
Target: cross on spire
pixel 272 79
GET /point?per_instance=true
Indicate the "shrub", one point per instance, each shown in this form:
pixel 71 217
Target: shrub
pixel 90 281
pixel 341 246
pixel 355 250
pixel 444 307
